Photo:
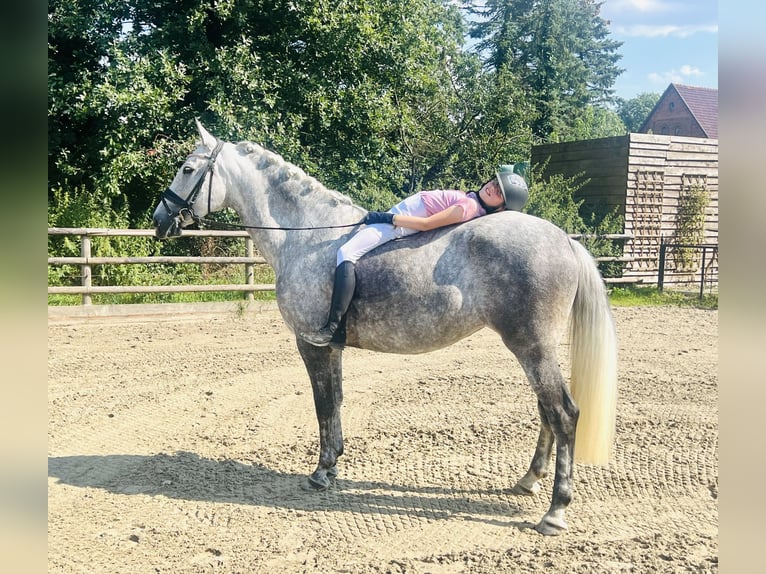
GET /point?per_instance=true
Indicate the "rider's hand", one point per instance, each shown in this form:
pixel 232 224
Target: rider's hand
pixel 379 217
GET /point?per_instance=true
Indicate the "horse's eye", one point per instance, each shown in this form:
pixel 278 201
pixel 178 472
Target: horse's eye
pixel 187 170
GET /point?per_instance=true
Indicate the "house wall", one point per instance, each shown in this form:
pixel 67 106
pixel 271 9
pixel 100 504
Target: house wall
pixel 643 176
pixel 671 116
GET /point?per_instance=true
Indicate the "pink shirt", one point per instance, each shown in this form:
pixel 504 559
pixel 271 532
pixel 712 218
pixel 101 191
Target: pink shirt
pixel 440 199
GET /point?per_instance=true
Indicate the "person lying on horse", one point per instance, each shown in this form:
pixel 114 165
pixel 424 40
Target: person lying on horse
pixel 423 211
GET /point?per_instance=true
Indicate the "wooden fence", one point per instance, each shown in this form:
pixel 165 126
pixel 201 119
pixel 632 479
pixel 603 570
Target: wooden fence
pixel 86 262
pixel 647 178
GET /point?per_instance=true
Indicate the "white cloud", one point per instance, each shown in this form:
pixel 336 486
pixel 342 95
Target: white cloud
pixel 675 76
pixel 687 70
pixel 665 30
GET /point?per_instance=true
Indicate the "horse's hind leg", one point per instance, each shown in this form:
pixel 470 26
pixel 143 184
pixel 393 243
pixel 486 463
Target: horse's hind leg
pixel 558 415
pixel 528 484
pixel 324 368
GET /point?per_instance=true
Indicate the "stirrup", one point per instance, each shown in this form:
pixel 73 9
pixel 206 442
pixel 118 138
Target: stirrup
pixel 321 338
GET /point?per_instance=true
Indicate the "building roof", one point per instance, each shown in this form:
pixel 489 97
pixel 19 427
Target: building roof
pixel 703 104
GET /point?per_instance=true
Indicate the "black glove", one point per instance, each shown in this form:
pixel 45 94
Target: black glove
pixel 379 217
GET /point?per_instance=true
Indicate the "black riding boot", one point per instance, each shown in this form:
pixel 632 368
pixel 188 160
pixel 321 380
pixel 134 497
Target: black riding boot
pixel 342 293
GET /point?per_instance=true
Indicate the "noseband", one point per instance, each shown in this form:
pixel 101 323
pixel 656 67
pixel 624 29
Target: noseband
pixel 187 205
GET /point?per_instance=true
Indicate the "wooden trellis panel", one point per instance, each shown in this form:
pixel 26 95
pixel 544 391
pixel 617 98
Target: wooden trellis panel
pixel 648 198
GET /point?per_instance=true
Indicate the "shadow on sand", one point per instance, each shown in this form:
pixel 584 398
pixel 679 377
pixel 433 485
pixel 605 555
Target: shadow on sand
pixel 187 476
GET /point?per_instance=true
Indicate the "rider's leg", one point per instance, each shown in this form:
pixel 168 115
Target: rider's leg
pixel 342 293
pixel 364 241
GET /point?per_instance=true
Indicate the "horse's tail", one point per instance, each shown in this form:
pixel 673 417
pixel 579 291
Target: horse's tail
pixel 593 357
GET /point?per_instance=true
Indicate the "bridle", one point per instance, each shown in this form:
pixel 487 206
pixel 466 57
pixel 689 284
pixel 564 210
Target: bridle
pixel 187 205
pixel 186 213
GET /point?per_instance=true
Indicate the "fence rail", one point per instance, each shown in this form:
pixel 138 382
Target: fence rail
pixel 85 261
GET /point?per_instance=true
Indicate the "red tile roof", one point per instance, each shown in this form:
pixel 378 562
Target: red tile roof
pixel 703 104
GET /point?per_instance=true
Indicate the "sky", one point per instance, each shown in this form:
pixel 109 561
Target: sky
pixel 664 41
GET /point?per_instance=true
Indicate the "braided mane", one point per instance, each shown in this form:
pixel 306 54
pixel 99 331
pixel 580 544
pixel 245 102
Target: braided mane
pixel 286 178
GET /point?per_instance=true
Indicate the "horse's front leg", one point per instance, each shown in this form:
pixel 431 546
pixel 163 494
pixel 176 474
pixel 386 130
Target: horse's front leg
pixel 324 368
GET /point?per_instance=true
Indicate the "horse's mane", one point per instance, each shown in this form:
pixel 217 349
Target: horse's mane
pixel 285 177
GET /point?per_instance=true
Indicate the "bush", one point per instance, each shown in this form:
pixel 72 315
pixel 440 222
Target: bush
pixel 553 199
pixel 80 208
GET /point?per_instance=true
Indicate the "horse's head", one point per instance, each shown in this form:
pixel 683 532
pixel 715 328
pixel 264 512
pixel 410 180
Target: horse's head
pixel 193 193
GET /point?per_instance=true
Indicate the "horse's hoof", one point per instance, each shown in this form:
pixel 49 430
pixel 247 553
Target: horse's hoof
pixel 320 480
pixel 526 490
pixel 550 526
pixel 311 484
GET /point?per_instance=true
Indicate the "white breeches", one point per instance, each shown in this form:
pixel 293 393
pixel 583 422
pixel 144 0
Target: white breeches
pixel 372 236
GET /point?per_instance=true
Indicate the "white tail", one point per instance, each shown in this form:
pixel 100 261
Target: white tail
pixel 593 356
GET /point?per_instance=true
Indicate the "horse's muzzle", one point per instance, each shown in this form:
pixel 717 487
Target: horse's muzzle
pixel 166 227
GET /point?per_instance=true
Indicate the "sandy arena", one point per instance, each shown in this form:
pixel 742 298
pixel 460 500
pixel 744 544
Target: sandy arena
pixel 178 444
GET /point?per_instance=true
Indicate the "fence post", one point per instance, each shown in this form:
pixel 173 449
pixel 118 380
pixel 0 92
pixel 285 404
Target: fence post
pixel 85 268
pixel 702 278
pixel 661 275
pixel 249 267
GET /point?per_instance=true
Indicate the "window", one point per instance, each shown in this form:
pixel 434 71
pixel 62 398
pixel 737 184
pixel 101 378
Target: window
pixel 672 106
pixel 677 131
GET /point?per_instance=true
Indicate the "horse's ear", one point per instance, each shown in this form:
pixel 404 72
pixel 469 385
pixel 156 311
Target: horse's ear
pixel 208 139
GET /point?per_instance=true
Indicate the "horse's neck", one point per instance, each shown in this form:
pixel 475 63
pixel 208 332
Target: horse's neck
pixel 271 193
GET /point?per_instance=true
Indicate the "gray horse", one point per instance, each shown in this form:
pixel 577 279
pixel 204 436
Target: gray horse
pixel 516 274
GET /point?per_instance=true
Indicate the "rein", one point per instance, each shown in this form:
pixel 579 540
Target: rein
pixel 187 205
pixel 203 220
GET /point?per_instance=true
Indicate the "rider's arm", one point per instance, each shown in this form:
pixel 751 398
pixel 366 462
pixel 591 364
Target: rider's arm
pixel 449 216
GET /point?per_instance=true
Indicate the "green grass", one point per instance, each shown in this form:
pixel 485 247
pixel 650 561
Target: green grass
pixel 618 296
pixel 629 296
pixel 139 298
pixel 634 296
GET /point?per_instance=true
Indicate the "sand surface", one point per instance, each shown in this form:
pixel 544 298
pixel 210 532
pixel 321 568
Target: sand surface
pixel 178 444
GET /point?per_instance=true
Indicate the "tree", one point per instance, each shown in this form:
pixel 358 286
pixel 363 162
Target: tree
pixel 108 104
pixel 559 50
pixel 502 133
pixel 374 98
pixel 634 111
pixel 594 122
pixel 366 95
